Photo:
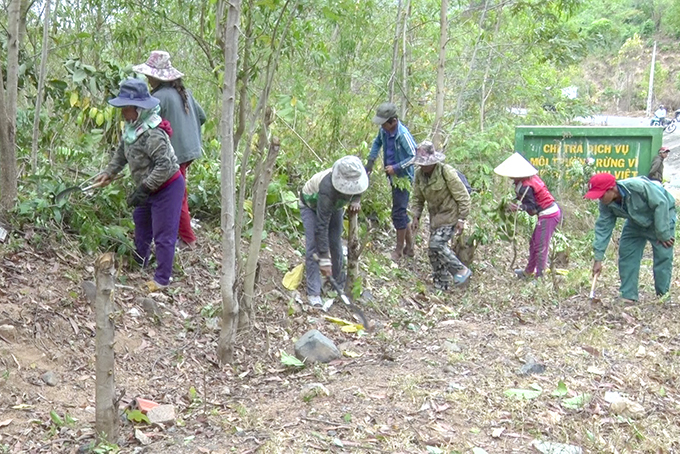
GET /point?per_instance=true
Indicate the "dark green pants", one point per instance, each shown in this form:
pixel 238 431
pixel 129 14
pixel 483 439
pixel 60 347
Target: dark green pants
pixel 631 246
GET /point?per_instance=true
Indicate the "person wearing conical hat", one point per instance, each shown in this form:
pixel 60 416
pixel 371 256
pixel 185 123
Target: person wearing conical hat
pixel 448 203
pixel 533 197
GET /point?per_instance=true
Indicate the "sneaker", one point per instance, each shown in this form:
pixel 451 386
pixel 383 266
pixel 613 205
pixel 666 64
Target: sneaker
pixel 315 301
pixel 183 245
pixel 462 277
pixel 626 301
pixel 521 274
pixel 153 287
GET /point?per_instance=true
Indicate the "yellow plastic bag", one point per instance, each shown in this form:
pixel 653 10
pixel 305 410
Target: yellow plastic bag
pixel 293 277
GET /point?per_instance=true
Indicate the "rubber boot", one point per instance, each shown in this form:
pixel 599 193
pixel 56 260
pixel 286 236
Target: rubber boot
pixel 399 249
pixel 408 242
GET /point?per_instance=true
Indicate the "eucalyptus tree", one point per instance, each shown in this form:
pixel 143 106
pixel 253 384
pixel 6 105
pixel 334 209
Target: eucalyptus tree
pixel 230 305
pixel 8 105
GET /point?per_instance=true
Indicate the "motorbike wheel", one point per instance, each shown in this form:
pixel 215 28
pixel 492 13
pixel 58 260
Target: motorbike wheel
pixel 670 129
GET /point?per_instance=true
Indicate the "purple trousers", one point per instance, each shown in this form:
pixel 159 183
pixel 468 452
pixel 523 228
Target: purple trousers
pixel 540 243
pixel 157 220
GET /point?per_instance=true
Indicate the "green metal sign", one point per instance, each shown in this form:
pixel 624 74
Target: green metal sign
pixel 624 152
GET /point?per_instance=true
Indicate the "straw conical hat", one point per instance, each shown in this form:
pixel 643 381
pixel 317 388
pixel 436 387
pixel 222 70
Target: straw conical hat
pixel 516 167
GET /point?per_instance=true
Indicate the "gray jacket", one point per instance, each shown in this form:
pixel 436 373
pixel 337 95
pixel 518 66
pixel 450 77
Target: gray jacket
pixel 186 127
pixel 322 197
pixel 152 161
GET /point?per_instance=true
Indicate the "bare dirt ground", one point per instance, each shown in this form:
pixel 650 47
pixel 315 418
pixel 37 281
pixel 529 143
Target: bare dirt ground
pixel 435 376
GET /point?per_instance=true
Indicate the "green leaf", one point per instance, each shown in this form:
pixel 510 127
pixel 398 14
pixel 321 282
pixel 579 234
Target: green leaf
pixel 289 360
pixel 79 75
pixel 561 389
pixel 576 402
pixel 83 35
pixel 56 419
pixel 290 199
pixel 524 393
pixel 347 417
pixel 434 450
pixel 136 416
pixel 93 85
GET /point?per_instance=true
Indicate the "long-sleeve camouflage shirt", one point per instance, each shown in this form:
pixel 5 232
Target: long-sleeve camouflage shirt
pixel 151 158
pixel 447 198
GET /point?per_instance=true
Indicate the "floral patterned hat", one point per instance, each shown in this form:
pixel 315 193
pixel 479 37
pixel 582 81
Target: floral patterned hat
pixel 159 67
pixel 427 155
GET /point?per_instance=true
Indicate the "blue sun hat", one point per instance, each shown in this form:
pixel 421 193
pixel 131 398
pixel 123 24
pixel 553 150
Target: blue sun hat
pixel 134 92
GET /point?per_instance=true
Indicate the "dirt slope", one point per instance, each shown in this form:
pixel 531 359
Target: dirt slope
pixel 431 378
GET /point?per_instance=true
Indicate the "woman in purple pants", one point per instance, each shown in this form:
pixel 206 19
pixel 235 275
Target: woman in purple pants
pixel 534 198
pixel 145 146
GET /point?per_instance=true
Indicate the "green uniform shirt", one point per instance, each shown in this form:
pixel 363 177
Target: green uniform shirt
pixel 645 203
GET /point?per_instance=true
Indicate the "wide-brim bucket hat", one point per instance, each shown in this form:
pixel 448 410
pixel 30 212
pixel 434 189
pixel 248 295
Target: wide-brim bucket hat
pixel 134 92
pixel 427 155
pixel 516 167
pixel 159 67
pixel 349 175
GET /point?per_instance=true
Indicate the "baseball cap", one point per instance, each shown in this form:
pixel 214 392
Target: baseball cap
pixel 664 150
pixel 599 184
pixel 384 112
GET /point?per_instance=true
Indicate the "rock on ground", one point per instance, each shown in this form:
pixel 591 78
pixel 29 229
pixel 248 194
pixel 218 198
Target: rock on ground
pixel 314 347
pixel 50 378
pixel 9 332
pixel 161 414
pixel 90 290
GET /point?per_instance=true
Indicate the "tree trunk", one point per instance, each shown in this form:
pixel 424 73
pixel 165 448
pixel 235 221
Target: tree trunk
pixel 13 45
pixel 353 252
pixel 8 157
pixel 262 180
pixel 395 53
pixel 473 60
pixel 8 109
pixel 41 87
pixel 439 97
pixel 106 403
pixel 405 54
pixel 230 309
pixel 246 71
pixel 486 93
pixel 272 64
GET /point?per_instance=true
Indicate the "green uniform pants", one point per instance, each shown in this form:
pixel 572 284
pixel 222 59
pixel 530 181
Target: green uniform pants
pixel 631 246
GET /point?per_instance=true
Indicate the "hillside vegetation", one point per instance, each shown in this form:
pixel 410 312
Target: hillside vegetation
pixel 441 372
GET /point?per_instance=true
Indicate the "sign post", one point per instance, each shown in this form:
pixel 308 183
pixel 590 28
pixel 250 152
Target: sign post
pixel 622 151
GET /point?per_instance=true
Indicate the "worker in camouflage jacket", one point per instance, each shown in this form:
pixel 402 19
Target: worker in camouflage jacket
pixel 448 203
